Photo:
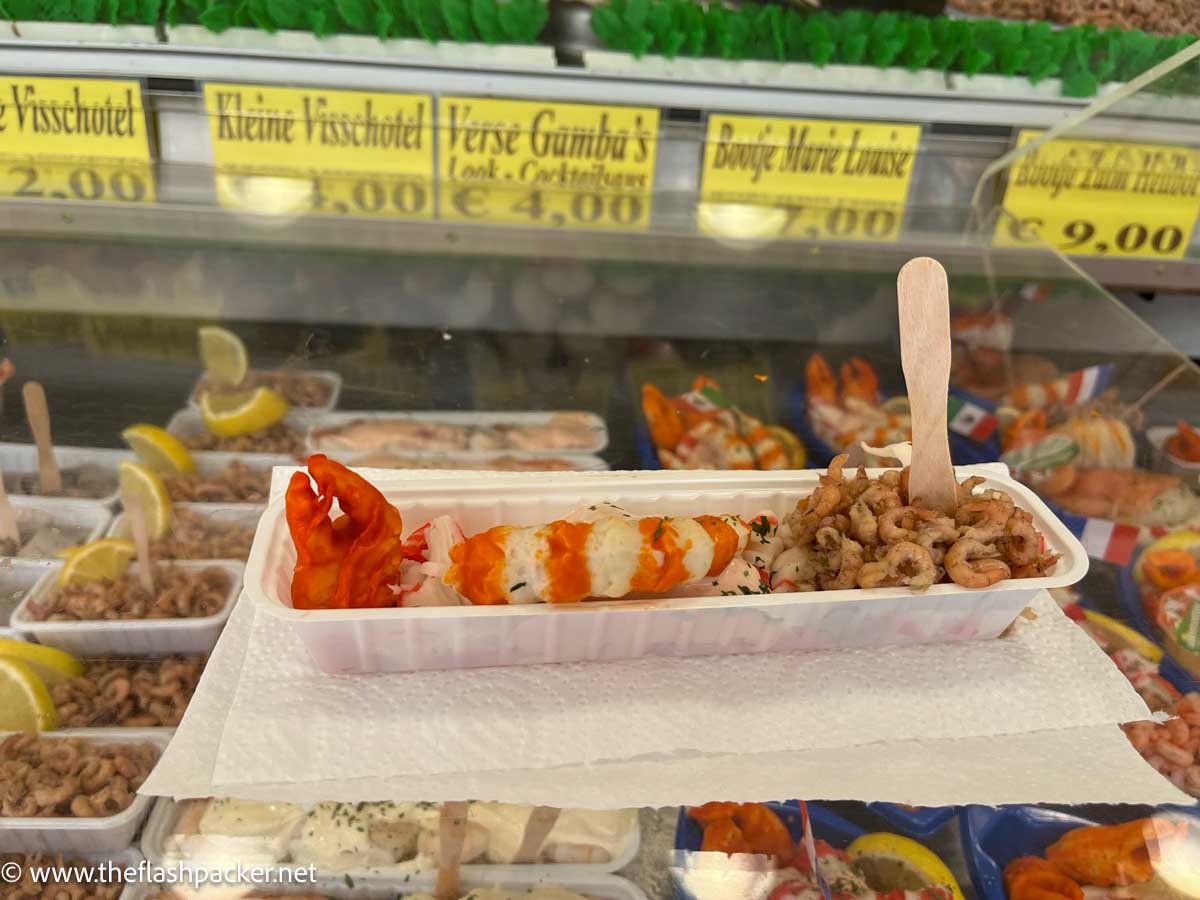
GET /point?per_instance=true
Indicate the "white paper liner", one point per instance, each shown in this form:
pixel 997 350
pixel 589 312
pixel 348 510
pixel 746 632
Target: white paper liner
pixel 893 725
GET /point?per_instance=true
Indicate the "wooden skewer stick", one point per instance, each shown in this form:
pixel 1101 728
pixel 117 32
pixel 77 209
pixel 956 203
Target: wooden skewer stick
pixel 924 307
pixel 8 517
pixel 537 829
pixel 452 830
pixel 38 415
pixel 141 542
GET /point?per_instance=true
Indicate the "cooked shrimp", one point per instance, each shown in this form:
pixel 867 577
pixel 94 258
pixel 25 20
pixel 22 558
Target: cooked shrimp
pixel 983 519
pixel 966 489
pixel 900 523
pixel 879 497
pixel 935 535
pixel 1020 544
pixel 973 564
pixel 905 563
pixel 863 524
pixel 839 560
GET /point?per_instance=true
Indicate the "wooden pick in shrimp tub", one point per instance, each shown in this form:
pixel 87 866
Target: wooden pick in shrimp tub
pixel 452 830
pixel 924 307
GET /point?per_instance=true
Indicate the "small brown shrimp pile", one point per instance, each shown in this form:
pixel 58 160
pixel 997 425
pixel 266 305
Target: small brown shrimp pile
pixel 867 532
pixel 29 889
pixel 1172 747
pixel 277 438
pixel 45 777
pixel 193 536
pixel 130 693
pixel 297 388
pixel 179 594
pixel 236 483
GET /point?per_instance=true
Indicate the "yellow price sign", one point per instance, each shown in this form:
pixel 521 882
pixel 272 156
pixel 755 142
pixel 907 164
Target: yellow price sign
pixel 74 139
pixel 300 150
pixel 806 178
pixel 569 165
pixel 1102 198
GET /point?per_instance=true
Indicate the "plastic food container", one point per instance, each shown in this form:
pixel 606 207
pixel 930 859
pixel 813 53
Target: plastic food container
pixel 22 458
pixel 166 813
pixel 922 821
pixel 393 640
pixel 1165 461
pixel 333 379
pixel 597 427
pixel 17 578
pixel 992 838
pixel 128 858
pixel 602 887
pixel 91 517
pixel 686 866
pixel 578 462
pixel 134 637
pixel 187 422
pixel 210 464
pixel 73 835
pixel 244 514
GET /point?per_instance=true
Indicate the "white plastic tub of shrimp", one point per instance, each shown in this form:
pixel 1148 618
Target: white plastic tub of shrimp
pixel 70 834
pixel 450 637
pixel 50 525
pixel 209 480
pixel 124 862
pixel 158 847
pixel 187 423
pixel 17 578
pixel 233 515
pixel 588 427
pixel 88 473
pixel 132 637
pixel 330 379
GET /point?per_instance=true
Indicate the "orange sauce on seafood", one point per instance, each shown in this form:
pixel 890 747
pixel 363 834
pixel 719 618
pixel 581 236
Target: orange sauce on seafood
pixel 566 561
pixel 650 574
pixel 478 567
pixel 724 538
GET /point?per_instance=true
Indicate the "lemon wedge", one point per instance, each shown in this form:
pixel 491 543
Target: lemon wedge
pixel 25 704
pixel 95 560
pixel 243 412
pixel 50 665
pixel 224 356
pixel 158 449
pixel 890 862
pixel 139 483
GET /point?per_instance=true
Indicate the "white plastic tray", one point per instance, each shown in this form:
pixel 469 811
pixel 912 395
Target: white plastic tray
pixel 212 462
pixel 129 858
pixel 187 421
pixel 244 514
pixel 74 835
pixel 333 379
pixel 135 637
pixel 599 429
pixel 19 575
pixel 23 458
pixel 580 462
pixel 89 514
pixel 166 813
pixel 399 639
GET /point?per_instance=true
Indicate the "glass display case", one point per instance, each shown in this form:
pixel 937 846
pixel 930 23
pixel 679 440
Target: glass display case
pixel 489 356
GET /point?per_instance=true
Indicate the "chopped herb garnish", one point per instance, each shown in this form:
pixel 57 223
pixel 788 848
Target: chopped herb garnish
pixel 658 531
pixel 516 587
pixel 349 881
pixel 761 526
pixel 744 589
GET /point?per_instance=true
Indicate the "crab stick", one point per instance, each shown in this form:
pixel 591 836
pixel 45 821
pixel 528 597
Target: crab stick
pixel 565 562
